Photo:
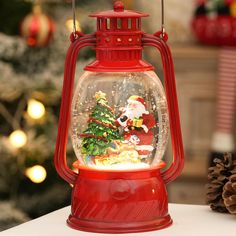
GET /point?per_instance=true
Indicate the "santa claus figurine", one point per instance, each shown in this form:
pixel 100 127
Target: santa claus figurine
pixel 138 123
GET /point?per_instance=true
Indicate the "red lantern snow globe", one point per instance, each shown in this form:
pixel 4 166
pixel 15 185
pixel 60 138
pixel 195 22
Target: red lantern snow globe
pixel 119 117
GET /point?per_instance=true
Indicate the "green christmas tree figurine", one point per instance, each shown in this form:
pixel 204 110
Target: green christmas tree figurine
pixel 101 129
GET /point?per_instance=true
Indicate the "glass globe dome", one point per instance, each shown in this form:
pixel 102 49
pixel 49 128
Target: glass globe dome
pixel 119 120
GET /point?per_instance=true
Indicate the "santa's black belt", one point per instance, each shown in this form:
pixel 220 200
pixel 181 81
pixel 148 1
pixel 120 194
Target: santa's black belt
pixel 135 128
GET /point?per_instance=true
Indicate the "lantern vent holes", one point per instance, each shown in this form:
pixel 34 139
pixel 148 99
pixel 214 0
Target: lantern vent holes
pixel 108 24
pixel 129 24
pixel 118 23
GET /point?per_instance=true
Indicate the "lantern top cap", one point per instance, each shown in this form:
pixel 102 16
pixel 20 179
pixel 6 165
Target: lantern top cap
pixel 119 12
pixel 119 6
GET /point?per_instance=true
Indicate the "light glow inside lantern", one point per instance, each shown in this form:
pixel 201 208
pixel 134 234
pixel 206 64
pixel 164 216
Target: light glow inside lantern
pixel 37 174
pixel 18 138
pixel 35 109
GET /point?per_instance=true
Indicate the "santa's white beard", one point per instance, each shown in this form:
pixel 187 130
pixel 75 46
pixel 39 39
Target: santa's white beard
pixel 135 113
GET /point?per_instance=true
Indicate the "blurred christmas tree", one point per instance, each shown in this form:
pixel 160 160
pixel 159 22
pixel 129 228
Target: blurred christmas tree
pixel 30 91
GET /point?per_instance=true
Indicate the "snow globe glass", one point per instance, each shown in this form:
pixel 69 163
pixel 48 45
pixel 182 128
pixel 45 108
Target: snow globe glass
pixel 119 120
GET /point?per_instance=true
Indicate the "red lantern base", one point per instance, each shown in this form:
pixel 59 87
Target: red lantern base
pixel 119 201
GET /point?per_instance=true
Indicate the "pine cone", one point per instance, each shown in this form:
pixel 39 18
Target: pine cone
pixel 229 195
pixel 218 176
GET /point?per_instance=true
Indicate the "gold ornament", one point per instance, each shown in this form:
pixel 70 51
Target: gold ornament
pixel 37 28
pixel 233 9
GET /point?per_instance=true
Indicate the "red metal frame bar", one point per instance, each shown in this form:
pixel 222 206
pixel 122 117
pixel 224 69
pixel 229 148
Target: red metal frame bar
pixel 65 113
pixel 170 86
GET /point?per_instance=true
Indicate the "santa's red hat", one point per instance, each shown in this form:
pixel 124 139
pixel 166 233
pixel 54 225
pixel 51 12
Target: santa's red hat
pixel 137 99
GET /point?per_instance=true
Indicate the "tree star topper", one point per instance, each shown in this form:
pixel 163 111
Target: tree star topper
pixel 100 95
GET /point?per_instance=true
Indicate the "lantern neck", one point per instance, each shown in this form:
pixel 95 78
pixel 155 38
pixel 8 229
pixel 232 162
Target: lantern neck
pixel 119 52
pixel 119 41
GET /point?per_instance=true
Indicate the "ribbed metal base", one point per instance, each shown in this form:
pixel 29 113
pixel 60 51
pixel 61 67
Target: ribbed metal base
pixel 119 227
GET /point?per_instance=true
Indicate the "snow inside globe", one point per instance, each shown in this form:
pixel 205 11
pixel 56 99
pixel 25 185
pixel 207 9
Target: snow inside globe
pixel 119 120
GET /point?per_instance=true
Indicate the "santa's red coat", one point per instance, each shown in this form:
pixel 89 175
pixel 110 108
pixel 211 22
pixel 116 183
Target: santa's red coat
pixel 145 143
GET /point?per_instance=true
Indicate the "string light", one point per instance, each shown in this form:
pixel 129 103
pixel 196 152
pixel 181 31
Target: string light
pixel 18 139
pixel 35 109
pixel 70 25
pixel 37 174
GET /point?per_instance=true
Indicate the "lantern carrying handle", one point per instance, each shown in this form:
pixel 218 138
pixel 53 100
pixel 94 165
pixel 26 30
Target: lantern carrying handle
pixel 162 33
pixel 163 30
pixel 65 112
pixel 170 86
pixel 74 18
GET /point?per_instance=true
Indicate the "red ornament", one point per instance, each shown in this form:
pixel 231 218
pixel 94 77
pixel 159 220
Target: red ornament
pixel 218 30
pixel 201 2
pixel 117 189
pixel 37 29
pixel 228 2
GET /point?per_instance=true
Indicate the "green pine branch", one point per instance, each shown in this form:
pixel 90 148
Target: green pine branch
pixel 101 134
